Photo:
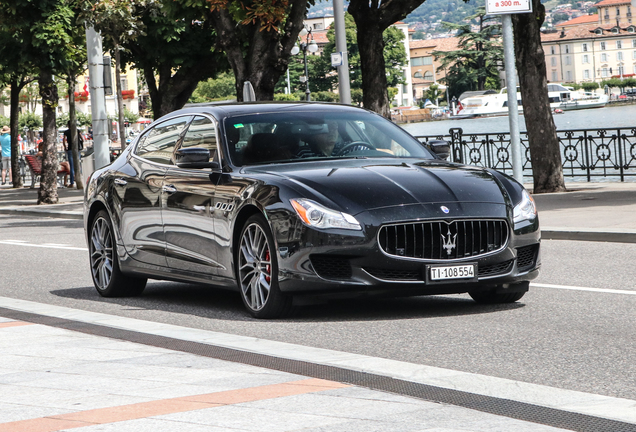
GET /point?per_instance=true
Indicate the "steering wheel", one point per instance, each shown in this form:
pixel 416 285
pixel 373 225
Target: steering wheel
pixel 355 146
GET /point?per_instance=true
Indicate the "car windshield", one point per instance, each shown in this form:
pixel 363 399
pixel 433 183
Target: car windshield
pixel 286 137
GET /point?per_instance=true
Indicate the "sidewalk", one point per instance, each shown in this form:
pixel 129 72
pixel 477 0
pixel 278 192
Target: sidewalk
pixel 66 369
pixel 588 211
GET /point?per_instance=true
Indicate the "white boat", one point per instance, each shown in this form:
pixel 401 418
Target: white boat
pixel 561 97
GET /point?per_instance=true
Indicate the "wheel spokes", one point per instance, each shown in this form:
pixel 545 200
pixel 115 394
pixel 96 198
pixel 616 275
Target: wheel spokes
pixel 255 267
pixel 101 253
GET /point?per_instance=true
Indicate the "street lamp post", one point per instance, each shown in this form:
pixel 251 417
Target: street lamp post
pixel 309 44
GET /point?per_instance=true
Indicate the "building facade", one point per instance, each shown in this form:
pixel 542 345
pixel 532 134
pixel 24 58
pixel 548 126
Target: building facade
pixel 590 53
pixel 425 70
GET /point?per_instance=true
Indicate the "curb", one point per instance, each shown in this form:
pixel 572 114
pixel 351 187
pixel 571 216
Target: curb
pixel 595 236
pixel 64 214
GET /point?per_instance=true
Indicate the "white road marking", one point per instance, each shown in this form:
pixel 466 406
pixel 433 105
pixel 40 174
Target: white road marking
pixel 46 245
pixel 577 288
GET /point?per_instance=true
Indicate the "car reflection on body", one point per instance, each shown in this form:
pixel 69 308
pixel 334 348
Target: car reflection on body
pixel 242 196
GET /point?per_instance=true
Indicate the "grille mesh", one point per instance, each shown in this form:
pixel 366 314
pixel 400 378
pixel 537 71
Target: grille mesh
pixel 395 275
pixel 495 269
pixel 331 267
pixel 526 257
pixel 441 240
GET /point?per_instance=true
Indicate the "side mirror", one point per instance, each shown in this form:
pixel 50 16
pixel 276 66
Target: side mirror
pixel 440 148
pixel 194 158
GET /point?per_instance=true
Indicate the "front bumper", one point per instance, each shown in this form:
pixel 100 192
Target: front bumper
pixel 349 263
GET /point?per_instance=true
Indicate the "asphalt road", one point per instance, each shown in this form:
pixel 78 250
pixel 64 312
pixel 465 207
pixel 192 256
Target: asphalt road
pixel 579 339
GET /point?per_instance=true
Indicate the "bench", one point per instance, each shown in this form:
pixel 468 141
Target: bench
pixel 35 166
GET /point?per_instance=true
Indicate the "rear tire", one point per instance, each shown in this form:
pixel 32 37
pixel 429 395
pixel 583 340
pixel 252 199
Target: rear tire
pixel 107 276
pixel 257 271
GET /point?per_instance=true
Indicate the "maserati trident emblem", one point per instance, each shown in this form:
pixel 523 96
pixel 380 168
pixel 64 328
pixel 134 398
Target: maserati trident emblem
pixel 445 209
pixel 448 242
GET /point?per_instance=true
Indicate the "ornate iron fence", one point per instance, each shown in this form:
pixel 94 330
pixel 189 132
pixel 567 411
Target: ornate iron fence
pixel 584 152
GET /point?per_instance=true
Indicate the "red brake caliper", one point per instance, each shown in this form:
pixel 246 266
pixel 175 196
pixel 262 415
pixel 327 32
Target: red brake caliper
pixel 268 268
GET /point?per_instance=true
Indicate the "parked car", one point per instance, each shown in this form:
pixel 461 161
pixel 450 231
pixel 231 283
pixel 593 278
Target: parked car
pixel 276 200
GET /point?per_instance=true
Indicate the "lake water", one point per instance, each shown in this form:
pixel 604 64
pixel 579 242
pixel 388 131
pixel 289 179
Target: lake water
pixel 611 117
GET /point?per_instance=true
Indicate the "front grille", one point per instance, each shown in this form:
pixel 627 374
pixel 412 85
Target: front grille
pixel 526 257
pixel 495 269
pixel 443 240
pixel 395 275
pixel 331 267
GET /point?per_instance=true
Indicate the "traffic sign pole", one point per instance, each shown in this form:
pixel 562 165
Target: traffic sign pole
pixel 506 8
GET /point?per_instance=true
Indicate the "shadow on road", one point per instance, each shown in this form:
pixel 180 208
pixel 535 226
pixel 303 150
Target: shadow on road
pixel 218 304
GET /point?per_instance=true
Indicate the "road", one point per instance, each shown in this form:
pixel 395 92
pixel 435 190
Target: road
pixel 582 338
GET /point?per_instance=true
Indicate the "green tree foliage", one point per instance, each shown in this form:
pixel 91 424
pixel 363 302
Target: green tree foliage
pixel 434 92
pixel 477 59
pixel 559 17
pixel 257 36
pixel 31 121
pixel 323 76
pixel 38 37
pixel 222 87
pixel 173 46
pixel 589 86
pixel 372 19
pixel 455 11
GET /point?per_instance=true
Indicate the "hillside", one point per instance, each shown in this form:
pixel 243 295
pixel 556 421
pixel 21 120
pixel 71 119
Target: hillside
pixel 427 16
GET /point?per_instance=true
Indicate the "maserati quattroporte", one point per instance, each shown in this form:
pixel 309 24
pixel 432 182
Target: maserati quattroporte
pixel 276 200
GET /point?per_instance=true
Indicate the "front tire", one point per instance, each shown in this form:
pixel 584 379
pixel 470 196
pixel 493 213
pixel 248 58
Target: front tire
pixel 107 276
pixel 257 271
pixel 491 297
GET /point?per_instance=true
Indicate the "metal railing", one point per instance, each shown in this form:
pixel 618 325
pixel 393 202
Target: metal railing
pixel 585 153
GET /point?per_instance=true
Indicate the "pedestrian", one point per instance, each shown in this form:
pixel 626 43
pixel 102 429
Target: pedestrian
pixel 5 141
pixel 69 152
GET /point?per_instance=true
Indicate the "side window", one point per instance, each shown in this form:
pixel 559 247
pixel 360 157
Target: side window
pixel 159 143
pixel 202 133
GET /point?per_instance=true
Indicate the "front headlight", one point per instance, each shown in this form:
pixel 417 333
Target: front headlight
pixel 318 216
pixel 526 209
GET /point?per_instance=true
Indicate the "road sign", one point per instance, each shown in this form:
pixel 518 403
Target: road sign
pixel 336 59
pixel 502 7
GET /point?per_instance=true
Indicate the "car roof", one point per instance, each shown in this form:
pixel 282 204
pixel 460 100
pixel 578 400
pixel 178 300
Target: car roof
pixel 231 109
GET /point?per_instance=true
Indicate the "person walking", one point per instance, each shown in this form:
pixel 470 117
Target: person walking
pixel 5 142
pixel 69 151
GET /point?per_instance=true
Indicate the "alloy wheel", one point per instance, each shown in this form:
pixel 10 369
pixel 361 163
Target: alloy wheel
pixel 255 267
pixel 101 253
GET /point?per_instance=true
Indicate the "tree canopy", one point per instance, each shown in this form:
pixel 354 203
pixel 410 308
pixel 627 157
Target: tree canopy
pixel 475 64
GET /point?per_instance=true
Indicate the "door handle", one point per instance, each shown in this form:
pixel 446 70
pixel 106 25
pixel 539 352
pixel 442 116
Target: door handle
pixel 170 189
pixel 120 182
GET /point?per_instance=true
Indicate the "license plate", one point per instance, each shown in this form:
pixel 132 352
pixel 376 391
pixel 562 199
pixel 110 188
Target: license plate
pixel 453 272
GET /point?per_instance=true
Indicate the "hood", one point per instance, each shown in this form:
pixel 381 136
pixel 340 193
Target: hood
pixel 370 186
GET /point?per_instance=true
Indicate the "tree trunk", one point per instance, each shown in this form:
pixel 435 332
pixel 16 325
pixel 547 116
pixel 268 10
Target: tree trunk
pixel 267 57
pixel 372 66
pixel 16 87
pixel 173 92
pixel 47 194
pixel 74 144
pixel 547 170
pixel 120 100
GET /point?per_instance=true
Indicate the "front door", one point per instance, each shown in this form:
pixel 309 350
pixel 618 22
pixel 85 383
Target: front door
pixel 191 242
pixel 141 189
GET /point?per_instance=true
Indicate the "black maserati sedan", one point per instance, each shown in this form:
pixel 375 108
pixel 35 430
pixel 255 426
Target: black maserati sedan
pixel 277 200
